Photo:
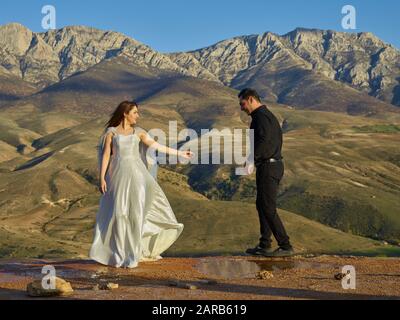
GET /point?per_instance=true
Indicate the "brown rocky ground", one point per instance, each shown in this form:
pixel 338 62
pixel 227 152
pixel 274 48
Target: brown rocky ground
pixel 293 278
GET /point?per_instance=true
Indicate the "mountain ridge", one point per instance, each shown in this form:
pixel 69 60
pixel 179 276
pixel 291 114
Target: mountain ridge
pixel 361 60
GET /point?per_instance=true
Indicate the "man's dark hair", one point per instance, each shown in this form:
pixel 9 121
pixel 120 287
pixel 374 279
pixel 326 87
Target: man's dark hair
pixel 247 93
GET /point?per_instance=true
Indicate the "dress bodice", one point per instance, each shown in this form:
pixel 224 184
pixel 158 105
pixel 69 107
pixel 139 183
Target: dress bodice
pixel 129 147
pixel 125 146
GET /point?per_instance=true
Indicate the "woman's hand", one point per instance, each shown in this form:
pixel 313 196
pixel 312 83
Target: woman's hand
pixel 103 186
pixel 186 154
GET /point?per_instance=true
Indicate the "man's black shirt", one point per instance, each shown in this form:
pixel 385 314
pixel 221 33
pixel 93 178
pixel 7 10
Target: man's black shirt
pixel 267 135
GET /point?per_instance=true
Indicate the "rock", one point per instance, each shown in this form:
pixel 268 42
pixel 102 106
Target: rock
pixel 206 281
pixel 106 286
pixel 264 275
pixel 340 276
pixel 182 285
pixel 63 288
pixel 112 286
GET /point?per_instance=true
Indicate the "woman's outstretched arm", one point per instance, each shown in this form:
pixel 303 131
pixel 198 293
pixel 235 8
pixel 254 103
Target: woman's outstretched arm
pixel 151 143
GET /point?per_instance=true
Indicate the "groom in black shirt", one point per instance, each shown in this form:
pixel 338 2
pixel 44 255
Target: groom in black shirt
pixel 269 172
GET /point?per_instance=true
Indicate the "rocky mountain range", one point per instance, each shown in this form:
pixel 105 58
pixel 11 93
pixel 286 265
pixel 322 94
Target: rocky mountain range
pixel 47 58
pixel 315 69
pixel 360 60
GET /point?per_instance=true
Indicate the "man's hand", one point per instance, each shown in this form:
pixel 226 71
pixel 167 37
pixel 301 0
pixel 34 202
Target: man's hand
pixel 249 168
pixel 186 154
pixel 246 170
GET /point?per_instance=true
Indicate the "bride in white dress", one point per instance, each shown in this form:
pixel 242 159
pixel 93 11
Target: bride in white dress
pixel 135 221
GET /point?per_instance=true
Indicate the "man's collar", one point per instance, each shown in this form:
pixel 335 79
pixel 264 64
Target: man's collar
pixel 258 109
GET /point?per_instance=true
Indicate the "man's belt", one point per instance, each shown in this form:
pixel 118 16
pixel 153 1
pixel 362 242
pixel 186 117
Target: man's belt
pixel 272 160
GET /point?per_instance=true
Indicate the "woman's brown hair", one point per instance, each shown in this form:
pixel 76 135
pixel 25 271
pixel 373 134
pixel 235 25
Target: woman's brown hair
pixel 118 115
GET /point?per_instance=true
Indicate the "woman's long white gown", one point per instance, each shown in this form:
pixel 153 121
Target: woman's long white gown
pixel 135 221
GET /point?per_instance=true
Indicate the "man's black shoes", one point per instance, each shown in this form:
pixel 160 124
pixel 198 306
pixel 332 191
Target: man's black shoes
pixel 259 251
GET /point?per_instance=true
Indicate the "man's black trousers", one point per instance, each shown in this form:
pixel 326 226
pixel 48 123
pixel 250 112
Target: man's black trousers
pixel 268 177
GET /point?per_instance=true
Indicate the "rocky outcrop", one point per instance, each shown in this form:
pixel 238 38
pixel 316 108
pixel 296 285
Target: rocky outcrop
pixel 227 59
pixel 359 59
pixel 47 58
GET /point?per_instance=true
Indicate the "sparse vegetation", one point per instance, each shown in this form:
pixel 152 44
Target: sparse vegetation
pixel 379 128
pixel 334 177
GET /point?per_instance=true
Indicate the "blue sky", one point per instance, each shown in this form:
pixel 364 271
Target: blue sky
pixel 182 25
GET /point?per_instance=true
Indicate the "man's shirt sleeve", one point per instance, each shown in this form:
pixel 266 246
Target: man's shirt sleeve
pixel 261 137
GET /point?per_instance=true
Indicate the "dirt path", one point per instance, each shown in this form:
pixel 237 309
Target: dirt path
pixel 295 278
